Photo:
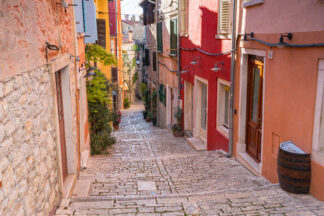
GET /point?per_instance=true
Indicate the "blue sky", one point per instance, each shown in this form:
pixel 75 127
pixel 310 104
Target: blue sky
pixel 131 7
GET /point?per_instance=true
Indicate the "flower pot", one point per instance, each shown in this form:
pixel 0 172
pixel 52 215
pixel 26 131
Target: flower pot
pixel 178 133
pixel 148 120
pixel 154 121
pixel 144 115
pixel 116 126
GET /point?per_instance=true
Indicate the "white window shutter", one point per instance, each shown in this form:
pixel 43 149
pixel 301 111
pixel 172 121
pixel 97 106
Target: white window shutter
pixel 183 17
pixel 224 17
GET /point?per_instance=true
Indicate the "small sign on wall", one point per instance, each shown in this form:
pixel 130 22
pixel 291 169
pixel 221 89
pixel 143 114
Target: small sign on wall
pixel 248 3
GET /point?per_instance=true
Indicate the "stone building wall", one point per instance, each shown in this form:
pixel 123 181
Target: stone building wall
pixel 29 173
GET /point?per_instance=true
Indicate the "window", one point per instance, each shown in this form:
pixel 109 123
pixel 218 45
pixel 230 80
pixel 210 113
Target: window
pixel 101 28
pixel 223 106
pixel 147 57
pixel 173 36
pixel 224 17
pixel 154 61
pixel 183 17
pixel 159 36
pixel 114 74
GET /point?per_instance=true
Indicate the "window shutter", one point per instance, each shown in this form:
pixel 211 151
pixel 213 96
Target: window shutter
pixel 159 37
pixel 154 61
pixel 224 17
pixel 101 27
pixel 173 36
pixel 183 17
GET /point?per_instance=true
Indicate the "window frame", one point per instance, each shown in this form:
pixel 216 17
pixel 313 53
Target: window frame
pixel 220 118
pixel 173 36
pixel 159 37
pixel 221 34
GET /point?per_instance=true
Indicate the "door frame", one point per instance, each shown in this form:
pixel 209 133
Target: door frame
pixel 242 155
pixel 188 110
pixel 197 111
pixel 65 67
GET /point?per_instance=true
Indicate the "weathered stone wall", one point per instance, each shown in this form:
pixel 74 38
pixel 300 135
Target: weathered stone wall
pixel 29 182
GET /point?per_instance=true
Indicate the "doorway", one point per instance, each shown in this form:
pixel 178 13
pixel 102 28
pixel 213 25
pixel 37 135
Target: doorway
pixel 201 110
pixel 60 108
pixel 169 105
pixel 188 114
pixel 254 107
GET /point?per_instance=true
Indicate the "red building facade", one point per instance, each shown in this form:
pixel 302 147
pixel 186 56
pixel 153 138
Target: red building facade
pixel 205 43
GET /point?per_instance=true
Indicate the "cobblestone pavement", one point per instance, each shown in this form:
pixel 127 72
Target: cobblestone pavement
pixel 149 172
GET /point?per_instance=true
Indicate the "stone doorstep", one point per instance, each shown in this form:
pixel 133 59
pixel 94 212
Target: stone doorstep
pixel 68 186
pixel 197 144
pixel 81 188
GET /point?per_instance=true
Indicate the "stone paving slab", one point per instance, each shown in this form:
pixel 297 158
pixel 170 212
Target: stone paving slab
pixel 150 172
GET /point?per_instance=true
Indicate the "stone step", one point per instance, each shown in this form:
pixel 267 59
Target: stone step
pixel 197 144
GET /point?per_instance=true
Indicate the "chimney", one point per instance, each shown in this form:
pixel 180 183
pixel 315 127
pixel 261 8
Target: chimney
pixel 130 35
pixel 126 17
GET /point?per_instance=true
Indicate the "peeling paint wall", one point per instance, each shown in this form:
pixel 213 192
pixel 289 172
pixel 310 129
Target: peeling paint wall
pixel 25 27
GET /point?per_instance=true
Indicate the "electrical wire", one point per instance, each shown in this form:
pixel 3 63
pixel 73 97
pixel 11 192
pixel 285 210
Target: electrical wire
pixel 167 67
pixel 284 44
pixel 207 53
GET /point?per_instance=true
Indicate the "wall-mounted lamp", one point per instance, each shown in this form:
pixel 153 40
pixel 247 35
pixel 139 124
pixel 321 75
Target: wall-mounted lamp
pixel 246 35
pixel 194 61
pixel 282 43
pixel 218 67
pixel 137 61
pixel 184 70
pixel 49 46
pixel 65 5
pixel 90 73
pixel 77 58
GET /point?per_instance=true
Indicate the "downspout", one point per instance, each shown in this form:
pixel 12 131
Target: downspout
pixel 76 89
pixel 179 60
pixel 230 147
pixel 157 70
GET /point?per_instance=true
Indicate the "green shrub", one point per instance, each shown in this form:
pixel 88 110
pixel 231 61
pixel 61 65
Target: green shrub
pixel 126 103
pixel 100 142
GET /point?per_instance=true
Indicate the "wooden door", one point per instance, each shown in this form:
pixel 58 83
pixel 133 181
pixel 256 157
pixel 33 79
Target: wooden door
pixel 254 108
pixel 61 122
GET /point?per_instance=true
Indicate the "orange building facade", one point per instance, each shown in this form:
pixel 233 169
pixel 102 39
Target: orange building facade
pixel 284 101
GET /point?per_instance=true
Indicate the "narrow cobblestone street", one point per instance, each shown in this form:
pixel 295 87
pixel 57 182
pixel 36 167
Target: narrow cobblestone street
pixel 150 172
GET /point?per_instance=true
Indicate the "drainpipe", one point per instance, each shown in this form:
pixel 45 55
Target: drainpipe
pixel 76 90
pixel 179 60
pixel 158 72
pixel 230 149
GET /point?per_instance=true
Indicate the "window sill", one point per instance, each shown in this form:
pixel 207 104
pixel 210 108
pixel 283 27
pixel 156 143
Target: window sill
pixel 172 55
pixel 223 36
pixel 252 3
pixel 223 130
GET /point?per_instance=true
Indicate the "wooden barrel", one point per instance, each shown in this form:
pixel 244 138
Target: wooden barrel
pixel 294 168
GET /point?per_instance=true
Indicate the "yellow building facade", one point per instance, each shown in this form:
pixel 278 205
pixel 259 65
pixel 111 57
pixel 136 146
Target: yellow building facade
pixel 102 13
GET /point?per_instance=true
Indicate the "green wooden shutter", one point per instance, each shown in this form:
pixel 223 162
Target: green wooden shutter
pixel 159 37
pixel 173 36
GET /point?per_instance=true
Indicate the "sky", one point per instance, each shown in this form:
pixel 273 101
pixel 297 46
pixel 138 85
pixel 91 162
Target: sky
pixel 131 7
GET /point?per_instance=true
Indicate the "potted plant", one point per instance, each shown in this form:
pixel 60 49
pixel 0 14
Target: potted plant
pixel 144 114
pixel 177 128
pixel 154 120
pixel 149 117
pixel 116 119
